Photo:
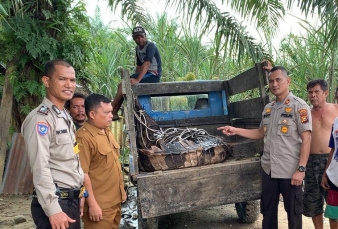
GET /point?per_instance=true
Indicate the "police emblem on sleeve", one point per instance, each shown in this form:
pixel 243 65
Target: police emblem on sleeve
pixel 42 128
pixel 304 118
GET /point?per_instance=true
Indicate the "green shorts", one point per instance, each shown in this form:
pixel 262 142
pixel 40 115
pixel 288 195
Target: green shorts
pixel 331 212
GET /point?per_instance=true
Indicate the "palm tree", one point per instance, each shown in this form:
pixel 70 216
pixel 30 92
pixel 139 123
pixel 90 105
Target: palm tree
pixel 327 10
pixel 310 57
pixel 264 14
pixel 208 16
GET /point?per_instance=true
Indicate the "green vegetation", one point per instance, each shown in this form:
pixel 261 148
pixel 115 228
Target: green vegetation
pixel 35 31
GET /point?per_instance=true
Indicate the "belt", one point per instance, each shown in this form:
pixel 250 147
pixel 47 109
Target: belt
pixel 64 193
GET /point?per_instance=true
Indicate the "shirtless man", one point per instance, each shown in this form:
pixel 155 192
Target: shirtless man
pixel 323 115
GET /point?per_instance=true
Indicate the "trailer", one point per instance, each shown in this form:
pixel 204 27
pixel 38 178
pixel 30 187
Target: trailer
pixel 168 186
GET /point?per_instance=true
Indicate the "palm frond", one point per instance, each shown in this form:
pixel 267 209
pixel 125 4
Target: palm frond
pixel 265 14
pixel 312 7
pixel 236 38
pixel 131 9
pixel 209 16
pixel 3 11
pixel 332 36
pixel 327 10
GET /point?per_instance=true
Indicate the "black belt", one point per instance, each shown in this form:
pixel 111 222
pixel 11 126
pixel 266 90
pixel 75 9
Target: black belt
pixel 64 193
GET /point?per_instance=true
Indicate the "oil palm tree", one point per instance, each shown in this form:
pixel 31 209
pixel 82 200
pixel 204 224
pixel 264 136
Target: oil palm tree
pixel 310 57
pixel 206 13
pixel 264 14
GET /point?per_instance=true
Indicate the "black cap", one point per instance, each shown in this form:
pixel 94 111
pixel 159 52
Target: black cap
pixel 138 30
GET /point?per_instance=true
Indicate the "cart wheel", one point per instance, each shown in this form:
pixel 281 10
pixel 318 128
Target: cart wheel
pixel 248 212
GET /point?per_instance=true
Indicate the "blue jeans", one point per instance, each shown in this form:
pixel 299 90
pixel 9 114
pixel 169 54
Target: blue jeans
pixel 149 77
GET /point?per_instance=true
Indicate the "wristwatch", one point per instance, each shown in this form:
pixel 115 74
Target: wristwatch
pixel 301 168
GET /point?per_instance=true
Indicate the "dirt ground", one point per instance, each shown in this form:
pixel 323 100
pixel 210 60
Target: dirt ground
pixel 11 207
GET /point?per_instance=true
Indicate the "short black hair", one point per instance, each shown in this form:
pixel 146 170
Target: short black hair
pixel 50 66
pixel 93 101
pixel 283 70
pixel 76 95
pixel 322 83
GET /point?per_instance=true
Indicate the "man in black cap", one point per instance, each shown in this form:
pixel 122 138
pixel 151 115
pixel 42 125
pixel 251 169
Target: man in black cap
pixel 148 66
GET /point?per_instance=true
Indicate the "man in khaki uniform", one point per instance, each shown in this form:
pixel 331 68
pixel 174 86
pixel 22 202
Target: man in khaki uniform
pixel 286 129
pixel 99 156
pixel 49 136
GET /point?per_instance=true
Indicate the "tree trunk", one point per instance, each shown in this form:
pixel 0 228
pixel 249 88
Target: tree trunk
pixel 5 117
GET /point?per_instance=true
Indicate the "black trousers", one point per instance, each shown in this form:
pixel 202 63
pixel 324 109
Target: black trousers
pixel 293 202
pixel 41 220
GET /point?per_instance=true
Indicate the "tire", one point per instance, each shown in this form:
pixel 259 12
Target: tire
pixel 149 223
pixel 248 212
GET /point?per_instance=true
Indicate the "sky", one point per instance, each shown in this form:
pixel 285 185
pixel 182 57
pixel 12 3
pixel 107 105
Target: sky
pixel 289 24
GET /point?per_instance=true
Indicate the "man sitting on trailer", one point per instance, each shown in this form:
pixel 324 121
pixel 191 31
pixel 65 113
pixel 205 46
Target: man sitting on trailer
pixel 148 68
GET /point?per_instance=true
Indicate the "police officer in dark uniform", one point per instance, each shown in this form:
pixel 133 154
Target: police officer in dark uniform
pixel 51 146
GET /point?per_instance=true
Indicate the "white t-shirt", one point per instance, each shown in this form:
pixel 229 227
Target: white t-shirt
pixel 332 170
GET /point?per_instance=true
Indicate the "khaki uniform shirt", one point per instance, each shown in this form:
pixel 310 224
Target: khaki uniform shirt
pixel 49 140
pixel 283 123
pixel 99 156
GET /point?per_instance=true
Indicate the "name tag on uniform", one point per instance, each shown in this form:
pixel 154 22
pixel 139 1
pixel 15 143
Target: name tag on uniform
pixel 61 131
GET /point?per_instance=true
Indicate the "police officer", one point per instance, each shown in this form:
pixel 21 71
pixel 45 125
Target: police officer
pixel 286 128
pixel 51 146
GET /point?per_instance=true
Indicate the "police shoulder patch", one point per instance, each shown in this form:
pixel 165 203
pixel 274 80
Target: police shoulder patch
pixel 302 112
pixel 304 118
pixel 42 128
pixel 43 110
